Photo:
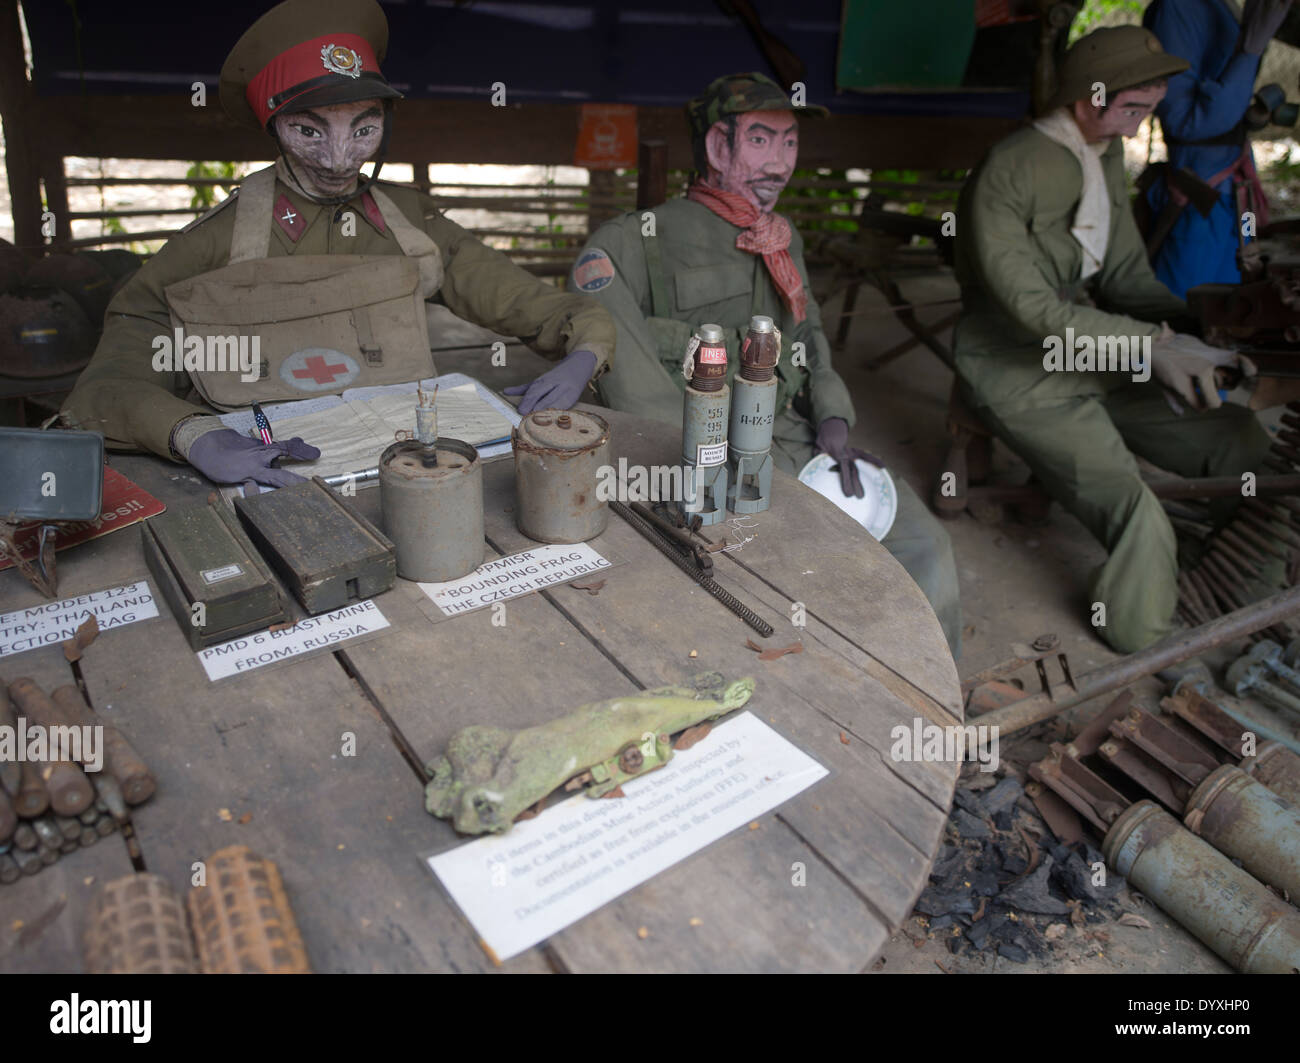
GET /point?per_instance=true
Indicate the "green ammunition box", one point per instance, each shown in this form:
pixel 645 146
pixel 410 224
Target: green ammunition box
pixel 211 575
pixel 326 553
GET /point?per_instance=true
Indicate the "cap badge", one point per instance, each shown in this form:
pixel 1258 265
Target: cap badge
pixel 339 59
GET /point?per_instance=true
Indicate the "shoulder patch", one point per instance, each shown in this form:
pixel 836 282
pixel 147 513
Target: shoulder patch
pixel 213 211
pixel 593 271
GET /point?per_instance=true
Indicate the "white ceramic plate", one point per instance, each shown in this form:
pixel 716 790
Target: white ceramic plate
pixel 877 507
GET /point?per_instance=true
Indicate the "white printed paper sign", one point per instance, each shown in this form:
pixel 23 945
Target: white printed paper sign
pixel 509 577
pixel 54 622
pixel 521 887
pixel 307 636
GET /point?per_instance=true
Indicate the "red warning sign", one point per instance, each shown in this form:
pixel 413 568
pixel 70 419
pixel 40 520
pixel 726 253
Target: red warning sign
pixel 606 136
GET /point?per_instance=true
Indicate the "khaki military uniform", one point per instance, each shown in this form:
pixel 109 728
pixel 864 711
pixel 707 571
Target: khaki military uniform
pixel 658 289
pixel 1019 267
pixel 122 395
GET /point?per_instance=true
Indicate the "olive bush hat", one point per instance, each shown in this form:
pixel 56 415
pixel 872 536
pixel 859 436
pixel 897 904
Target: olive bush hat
pixel 1119 57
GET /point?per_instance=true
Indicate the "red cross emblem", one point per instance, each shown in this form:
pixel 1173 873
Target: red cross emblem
pixel 319 371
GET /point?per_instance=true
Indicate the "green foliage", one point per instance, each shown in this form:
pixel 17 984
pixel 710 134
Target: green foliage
pixel 838 202
pixel 206 195
pixel 1097 13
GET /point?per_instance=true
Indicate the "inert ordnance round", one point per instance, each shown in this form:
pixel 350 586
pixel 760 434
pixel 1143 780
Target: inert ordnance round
pixel 137 926
pixel 558 458
pixel 1277 768
pixel 433 513
pixel 753 413
pixel 1231 912
pixel 1243 818
pixel 706 408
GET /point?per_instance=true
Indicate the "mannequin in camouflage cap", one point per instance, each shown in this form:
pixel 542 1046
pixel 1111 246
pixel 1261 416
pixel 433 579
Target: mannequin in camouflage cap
pixel 721 254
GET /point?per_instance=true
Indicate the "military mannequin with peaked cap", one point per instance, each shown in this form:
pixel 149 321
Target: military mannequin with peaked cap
pixel 328 270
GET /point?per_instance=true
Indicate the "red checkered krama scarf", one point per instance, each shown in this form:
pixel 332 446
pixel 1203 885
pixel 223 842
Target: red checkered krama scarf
pixel 761 234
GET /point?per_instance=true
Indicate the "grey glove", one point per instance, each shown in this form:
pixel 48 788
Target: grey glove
pixel 558 388
pixel 1260 20
pixel 226 457
pixel 833 439
pixel 1183 364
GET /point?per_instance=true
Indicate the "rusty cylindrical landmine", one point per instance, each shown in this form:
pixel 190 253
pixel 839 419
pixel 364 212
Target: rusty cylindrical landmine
pixel 1243 818
pixel 242 920
pixel 558 458
pixel 753 413
pixel 137 926
pixel 433 513
pixel 70 791
pixel 1277 768
pixel 21 780
pixel 121 760
pixel 1230 912
pixel 706 411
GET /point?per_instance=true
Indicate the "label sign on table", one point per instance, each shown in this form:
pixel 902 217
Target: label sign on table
pixel 545 873
pixel 307 636
pixel 509 577
pixel 55 622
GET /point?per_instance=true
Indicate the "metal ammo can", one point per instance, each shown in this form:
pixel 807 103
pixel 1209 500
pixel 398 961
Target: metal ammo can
pixel 434 513
pixel 558 458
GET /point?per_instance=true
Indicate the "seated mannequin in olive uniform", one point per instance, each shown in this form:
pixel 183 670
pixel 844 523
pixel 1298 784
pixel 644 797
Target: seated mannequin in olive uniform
pixel 719 256
pixel 1046 243
pixel 307 72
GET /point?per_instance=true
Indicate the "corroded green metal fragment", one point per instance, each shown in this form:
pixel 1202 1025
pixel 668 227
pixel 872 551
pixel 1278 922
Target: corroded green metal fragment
pixel 489 775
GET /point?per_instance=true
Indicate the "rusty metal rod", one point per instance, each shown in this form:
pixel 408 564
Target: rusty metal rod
pixel 1168 651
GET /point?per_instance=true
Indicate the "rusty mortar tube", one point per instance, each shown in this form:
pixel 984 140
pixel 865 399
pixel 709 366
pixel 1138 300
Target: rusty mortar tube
pixel 1224 907
pixel 22 780
pixel 120 758
pixel 1168 651
pixel 1277 768
pixel 1244 819
pixel 70 791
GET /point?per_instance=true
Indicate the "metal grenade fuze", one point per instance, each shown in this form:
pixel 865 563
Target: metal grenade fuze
pixel 704 425
pixel 753 409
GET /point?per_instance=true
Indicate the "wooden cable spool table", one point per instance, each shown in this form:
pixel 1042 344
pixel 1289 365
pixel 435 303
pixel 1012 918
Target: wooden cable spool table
pixel 255 759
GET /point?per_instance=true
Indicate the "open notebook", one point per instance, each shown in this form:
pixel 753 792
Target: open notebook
pixel 352 431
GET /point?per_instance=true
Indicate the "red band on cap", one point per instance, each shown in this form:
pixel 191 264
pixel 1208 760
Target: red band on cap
pixel 340 54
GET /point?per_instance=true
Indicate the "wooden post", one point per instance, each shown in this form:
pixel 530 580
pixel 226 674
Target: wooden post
pixel 421 169
pixel 651 173
pixel 601 190
pixel 15 111
pixel 56 196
